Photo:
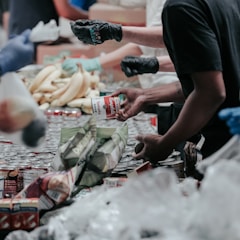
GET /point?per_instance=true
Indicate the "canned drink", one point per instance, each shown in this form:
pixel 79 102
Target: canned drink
pixel 105 107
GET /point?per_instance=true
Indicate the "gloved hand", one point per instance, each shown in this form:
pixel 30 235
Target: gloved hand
pixel 17 53
pixel 139 65
pixel 70 65
pixel 232 118
pixel 96 32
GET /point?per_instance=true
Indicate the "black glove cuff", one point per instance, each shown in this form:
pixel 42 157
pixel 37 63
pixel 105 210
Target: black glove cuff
pixel 117 32
pixel 155 65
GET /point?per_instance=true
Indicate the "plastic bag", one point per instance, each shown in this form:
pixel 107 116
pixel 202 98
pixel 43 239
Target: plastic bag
pixel 28 123
pixel 229 151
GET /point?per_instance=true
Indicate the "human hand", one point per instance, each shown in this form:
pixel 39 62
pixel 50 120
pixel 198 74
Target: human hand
pixel 34 132
pixel 7 123
pixel 232 118
pixel 96 32
pixel 134 102
pixel 152 148
pixel 70 64
pixel 139 65
pixel 17 53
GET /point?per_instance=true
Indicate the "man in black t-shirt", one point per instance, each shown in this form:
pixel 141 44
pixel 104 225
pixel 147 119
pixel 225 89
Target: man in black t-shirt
pixel 202 38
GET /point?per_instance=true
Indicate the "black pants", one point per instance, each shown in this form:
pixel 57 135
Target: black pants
pixel 167 115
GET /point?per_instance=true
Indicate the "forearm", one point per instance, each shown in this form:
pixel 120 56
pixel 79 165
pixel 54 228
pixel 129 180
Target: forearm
pixel 193 117
pixel 200 106
pixel 171 92
pixel 148 36
pixel 5 18
pixel 114 58
pixel 165 64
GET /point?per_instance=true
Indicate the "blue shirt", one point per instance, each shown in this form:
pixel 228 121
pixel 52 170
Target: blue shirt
pixel 83 4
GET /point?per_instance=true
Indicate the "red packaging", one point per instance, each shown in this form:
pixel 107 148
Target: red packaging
pixel 105 107
pixel 5 214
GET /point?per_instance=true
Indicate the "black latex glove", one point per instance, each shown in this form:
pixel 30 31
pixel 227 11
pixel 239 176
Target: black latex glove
pixel 139 65
pixel 96 32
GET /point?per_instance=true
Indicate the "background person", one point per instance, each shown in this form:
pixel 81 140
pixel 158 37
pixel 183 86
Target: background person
pixel 25 14
pixel 113 59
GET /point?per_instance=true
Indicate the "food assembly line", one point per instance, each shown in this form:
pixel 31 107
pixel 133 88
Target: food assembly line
pixel 119 120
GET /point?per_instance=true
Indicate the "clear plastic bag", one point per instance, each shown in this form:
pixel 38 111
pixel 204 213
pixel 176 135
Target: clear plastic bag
pixel 27 123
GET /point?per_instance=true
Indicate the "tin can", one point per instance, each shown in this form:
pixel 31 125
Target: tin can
pixel 105 107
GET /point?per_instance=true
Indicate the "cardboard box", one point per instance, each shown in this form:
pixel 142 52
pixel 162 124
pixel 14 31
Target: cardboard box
pixel 118 14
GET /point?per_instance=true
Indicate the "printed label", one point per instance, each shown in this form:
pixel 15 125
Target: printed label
pixel 105 107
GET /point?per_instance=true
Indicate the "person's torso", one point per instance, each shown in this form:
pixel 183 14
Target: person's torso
pixel 197 51
pixel 204 35
pixel 26 14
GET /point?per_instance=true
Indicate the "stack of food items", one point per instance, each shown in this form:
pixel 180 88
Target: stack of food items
pixel 52 87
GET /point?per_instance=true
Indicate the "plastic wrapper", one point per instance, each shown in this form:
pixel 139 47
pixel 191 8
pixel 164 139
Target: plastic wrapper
pixel 101 148
pixel 27 123
pixel 53 188
pixel 75 143
pixel 230 151
pixel 89 154
pixel 105 158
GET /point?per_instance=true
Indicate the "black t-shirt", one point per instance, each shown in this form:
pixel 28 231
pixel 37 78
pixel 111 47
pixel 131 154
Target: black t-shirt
pixel 204 35
pixel 26 14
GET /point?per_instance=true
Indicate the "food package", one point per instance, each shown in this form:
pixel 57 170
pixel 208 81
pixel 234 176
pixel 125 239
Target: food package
pixel 229 151
pixel 21 120
pixel 101 148
pixel 75 143
pixel 106 157
pixel 19 214
pixel 96 161
pixel 53 188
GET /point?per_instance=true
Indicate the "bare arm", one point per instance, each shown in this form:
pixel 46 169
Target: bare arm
pixel 171 92
pixel 5 20
pixel 165 64
pixel 66 10
pixel 199 107
pixel 148 36
pixel 114 58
